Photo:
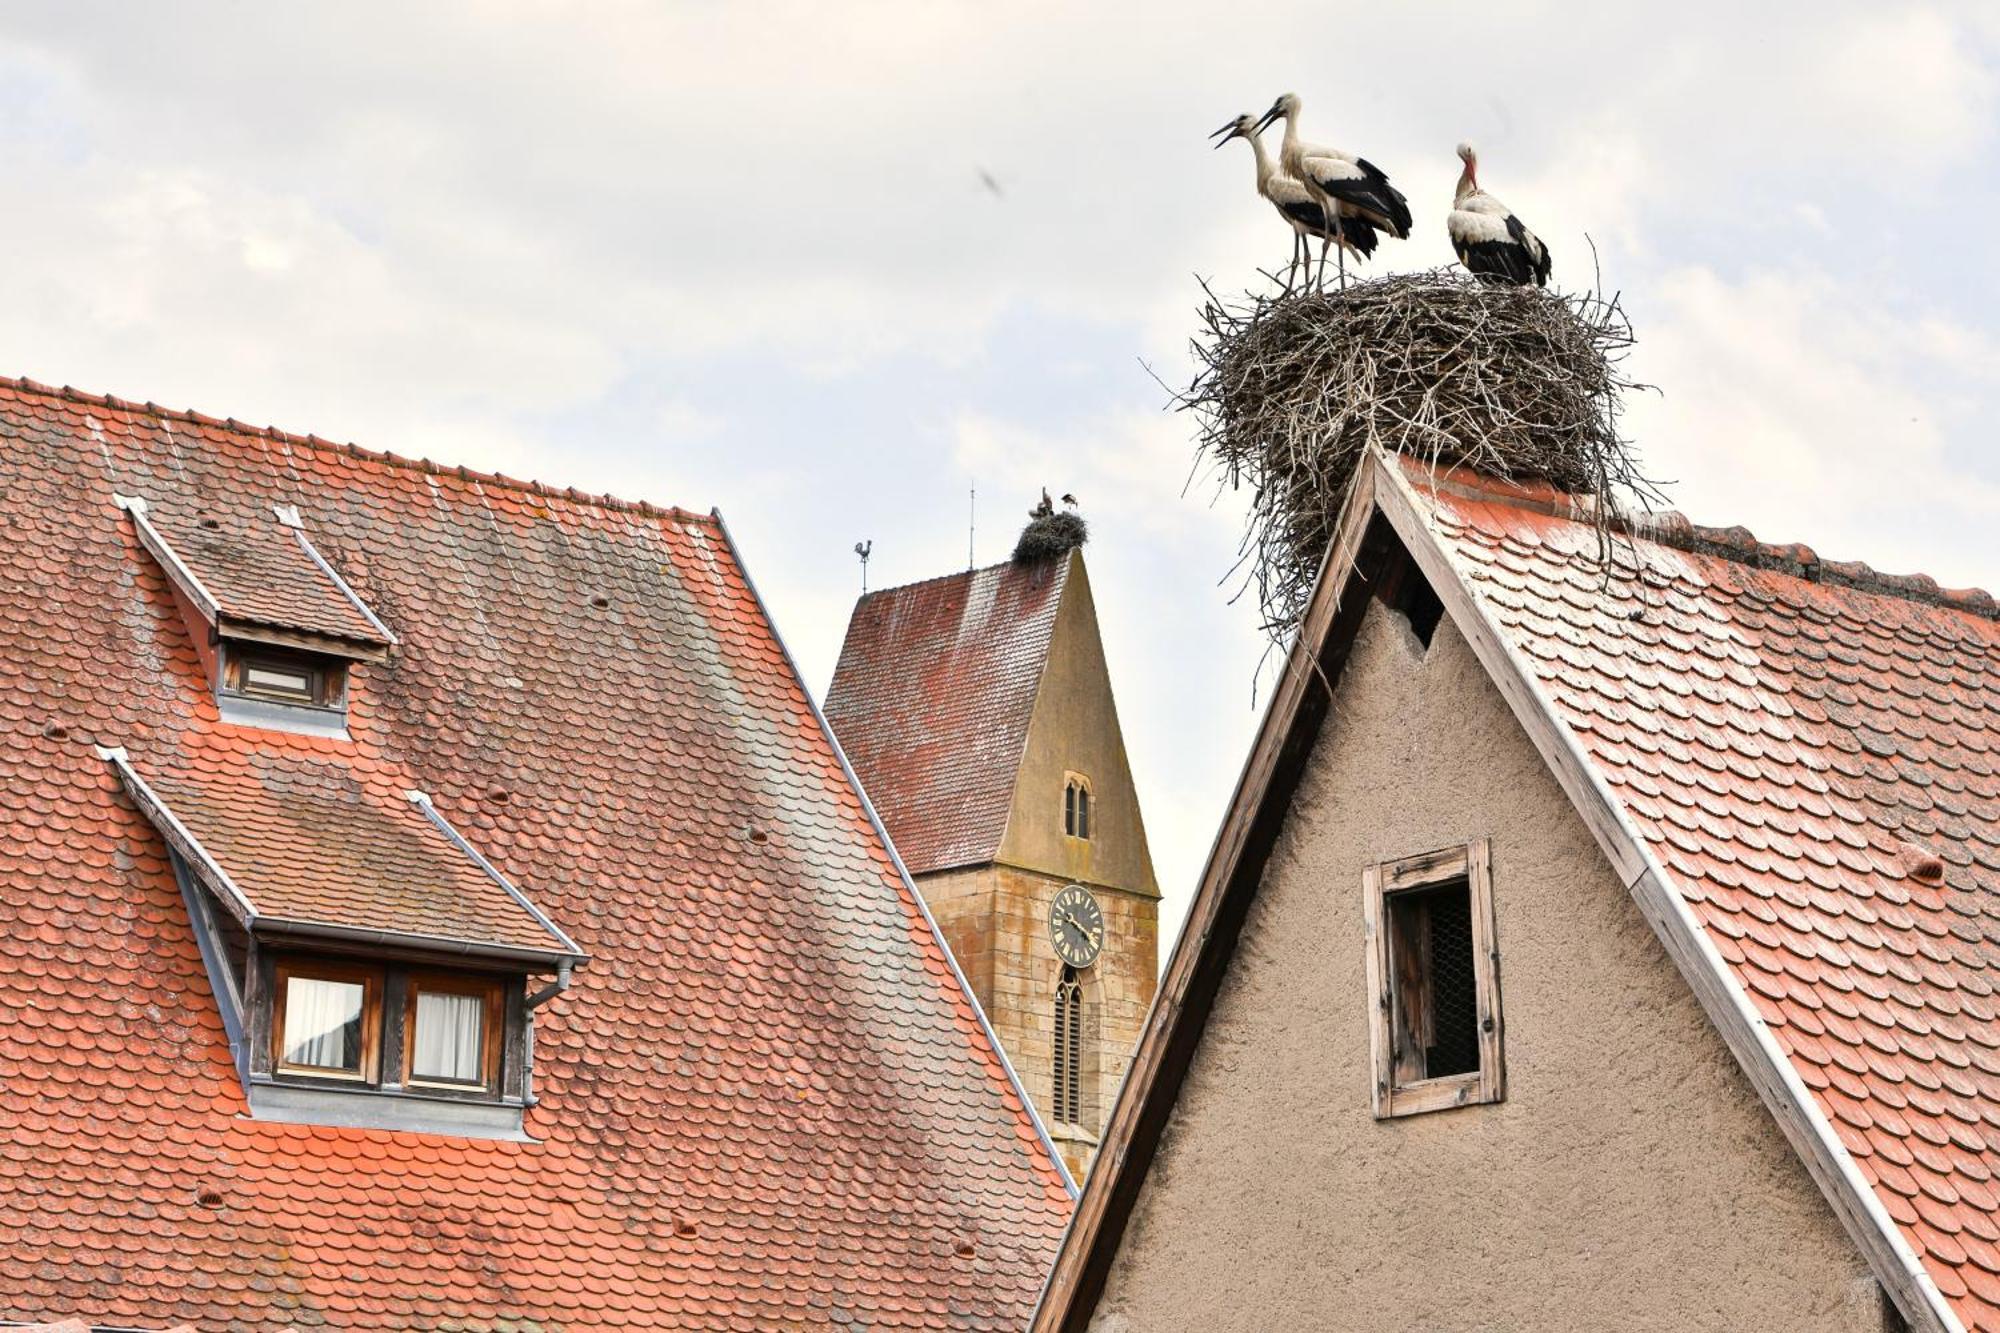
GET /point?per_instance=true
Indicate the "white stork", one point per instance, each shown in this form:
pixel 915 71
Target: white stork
pixel 1294 202
pixel 1494 244
pixel 1345 185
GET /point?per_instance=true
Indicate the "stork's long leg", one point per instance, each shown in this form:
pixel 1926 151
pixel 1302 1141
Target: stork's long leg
pixel 1342 248
pixel 1299 242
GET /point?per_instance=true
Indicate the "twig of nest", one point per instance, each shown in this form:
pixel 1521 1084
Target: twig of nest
pixel 1291 393
pixel 1050 535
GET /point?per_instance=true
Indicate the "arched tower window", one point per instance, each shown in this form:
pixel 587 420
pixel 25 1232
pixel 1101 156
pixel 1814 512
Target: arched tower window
pixel 1066 1101
pixel 1076 806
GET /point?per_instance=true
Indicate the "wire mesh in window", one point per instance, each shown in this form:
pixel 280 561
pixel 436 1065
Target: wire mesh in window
pixel 1436 981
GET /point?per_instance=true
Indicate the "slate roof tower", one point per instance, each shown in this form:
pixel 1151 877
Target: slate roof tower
pixel 977 711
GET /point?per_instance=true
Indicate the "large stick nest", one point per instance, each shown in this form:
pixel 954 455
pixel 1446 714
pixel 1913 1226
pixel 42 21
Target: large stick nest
pixel 1292 392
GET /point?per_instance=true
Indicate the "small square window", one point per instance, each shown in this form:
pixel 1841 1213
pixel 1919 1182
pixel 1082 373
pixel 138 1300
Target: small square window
pixel 454 1032
pixel 327 1020
pixel 1434 983
pixel 283 677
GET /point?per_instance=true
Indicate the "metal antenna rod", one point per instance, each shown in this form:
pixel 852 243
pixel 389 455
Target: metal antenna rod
pixel 864 550
pixel 971 523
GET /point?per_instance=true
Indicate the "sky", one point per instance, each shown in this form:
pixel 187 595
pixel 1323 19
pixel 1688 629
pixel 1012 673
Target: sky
pixel 744 256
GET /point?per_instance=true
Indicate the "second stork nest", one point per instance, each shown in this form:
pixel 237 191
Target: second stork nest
pixel 1291 393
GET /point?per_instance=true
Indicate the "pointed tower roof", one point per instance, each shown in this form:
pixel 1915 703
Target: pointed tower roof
pixel 932 698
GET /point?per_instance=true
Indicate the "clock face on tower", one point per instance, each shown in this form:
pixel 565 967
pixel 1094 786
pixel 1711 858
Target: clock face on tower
pixel 1076 926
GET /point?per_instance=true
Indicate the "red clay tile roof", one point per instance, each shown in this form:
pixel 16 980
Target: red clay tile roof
pixel 931 701
pixel 1812 750
pixel 333 839
pixel 766 1103
pixel 258 570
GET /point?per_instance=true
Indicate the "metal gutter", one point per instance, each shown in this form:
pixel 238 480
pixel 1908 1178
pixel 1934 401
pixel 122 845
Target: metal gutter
pixel 896 859
pixel 1652 870
pixel 373 937
pixel 423 803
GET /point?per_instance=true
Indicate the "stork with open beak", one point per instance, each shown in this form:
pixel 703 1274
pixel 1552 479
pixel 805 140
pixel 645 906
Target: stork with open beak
pixel 1493 243
pixel 1345 185
pixel 1296 204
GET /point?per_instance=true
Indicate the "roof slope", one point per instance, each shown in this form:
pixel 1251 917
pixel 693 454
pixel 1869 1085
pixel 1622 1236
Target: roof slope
pixel 766 1103
pixel 931 700
pixel 327 840
pixel 1794 764
pixel 1794 751
pixel 258 570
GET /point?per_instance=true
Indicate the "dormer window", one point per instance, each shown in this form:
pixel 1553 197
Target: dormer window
pixel 284 677
pixel 372 968
pixel 327 1020
pixel 334 1020
pixel 274 623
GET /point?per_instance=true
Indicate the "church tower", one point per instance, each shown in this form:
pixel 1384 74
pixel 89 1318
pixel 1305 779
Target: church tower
pixel 978 713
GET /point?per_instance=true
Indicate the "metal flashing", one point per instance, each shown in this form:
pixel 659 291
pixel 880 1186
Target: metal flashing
pixel 371 1108
pixel 423 802
pixel 299 719
pixel 214 958
pixel 298 528
pixel 179 837
pixel 162 550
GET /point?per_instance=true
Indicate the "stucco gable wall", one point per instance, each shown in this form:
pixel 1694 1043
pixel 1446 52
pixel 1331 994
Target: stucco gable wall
pixel 1631 1179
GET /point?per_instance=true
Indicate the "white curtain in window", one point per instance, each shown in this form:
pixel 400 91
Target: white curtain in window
pixel 448 1044
pixel 323 1023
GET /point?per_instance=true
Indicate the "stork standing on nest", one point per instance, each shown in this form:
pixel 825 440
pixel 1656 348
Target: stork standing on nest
pixel 1491 242
pixel 1296 204
pixel 1346 186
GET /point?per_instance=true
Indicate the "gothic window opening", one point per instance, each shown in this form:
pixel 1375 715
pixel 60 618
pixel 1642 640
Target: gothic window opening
pixel 1066 1102
pixel 1076 806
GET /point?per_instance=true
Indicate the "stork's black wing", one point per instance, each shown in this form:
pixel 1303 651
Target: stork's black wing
pixel 1351 184
pixel 1532 246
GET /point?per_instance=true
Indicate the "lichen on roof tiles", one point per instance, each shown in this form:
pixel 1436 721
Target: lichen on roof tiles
pixel 1812 750
pixel 766 1103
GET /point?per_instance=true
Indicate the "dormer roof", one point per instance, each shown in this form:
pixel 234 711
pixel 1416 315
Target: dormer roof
pixel 257 575
pixel 312 845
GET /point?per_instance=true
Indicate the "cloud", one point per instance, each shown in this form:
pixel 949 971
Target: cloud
pixel 740 255
pixel 1795 409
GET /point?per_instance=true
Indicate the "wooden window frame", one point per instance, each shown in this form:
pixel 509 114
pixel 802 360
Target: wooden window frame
pixel 492 1036
pixel 1079 807
pixel 329 678
pixel 1392 1096
pixel 313 969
